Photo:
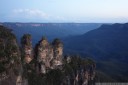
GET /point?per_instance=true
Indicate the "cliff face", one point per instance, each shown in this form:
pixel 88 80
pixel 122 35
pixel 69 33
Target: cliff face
pixel 79 71
pixel 10 59
pixel 44 64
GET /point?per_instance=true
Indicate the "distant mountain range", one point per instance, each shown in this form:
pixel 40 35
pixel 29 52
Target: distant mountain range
pixel 108 40
pixel 108 45
pixel 50 30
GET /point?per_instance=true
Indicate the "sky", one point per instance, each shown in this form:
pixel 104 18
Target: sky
pixel 79 11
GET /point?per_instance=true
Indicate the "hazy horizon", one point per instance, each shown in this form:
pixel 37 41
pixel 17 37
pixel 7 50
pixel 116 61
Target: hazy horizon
pixel 66 22
pixel 64 11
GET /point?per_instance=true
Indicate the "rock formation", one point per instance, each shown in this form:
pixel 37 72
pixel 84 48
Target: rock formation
pixel 10 58
pixel 49 56
pixel 58 52
pixel 85 76
pixel 23 67
pixel 27 48
pixel 80 73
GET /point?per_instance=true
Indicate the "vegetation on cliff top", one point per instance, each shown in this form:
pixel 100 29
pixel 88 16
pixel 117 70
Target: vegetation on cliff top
pixel 8 49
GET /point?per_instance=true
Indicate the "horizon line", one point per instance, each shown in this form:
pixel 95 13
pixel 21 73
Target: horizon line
pixel 67 22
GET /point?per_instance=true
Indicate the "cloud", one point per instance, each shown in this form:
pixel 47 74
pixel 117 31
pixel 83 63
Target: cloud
pixel 29 13
pixel 34 15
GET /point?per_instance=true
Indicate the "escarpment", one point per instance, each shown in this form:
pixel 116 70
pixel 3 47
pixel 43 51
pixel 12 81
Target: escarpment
pixel 44 64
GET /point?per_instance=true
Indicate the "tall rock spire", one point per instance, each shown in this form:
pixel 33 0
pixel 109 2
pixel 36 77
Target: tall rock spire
pixel 42 55
pixel 42 49
pixel 58 52
pixel 27 48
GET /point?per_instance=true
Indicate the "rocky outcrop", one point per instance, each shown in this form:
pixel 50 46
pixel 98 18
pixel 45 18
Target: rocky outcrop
pixel 23 67
pixel 79 71
pixel 10 57
pixel 85 76
pixel 49 56
pixel 27 48
pixel 58 52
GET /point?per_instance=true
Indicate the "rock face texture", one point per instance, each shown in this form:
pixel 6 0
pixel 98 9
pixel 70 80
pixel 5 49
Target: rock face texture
pixel 10 58
pixel 43 57
pixel 58 52
pixel 49 56
pixel 27 48
pixel 79 71
pixel 85 76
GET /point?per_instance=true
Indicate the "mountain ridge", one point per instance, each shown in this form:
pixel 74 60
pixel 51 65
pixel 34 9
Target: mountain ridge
pixel 107 45
pixel 102 35
pixel 51 30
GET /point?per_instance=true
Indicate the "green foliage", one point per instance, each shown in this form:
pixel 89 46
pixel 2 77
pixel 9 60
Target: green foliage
pixel 53 77
pixel 67 69
pixel 57 42
pixel 2 68
pixel 26 39
pixel 7 48
pixel 77 61
pixel 57 76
